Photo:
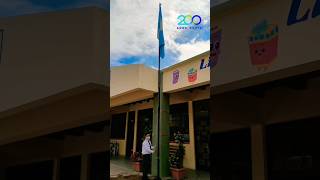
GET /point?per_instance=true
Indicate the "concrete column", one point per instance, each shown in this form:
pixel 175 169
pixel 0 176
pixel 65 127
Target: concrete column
pixel 258 152
pixel 163 135
pixel 125 144
pixel 84 167
pixel 154 163
pixel 2 173
pixel 191 134
pixel 56 169
pixel 135 131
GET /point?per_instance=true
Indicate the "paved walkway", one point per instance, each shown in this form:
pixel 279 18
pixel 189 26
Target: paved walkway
pixel 121 166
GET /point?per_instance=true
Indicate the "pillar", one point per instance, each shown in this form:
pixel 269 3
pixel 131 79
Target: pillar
pixel 135 130
pixel 164 135
pixel 191 134
pixel 258 152
pixel 84 167
pixel 2 173
pixel 155 156
pixel 56 168
pixel 126 134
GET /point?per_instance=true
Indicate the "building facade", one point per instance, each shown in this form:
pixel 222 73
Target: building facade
pixel 133 106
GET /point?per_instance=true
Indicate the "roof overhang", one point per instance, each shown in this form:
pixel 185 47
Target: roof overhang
pixel 76 107
pixel 132 83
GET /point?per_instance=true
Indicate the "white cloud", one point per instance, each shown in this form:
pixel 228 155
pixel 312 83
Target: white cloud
pixel 134 27
pixel 192 49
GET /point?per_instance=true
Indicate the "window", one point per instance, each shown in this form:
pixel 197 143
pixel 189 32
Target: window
pixel 179 120
pixel 118 126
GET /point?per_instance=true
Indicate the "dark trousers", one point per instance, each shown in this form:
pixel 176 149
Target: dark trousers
pixel 146 166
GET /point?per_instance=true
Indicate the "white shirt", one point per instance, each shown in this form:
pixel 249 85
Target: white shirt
pixel 147 147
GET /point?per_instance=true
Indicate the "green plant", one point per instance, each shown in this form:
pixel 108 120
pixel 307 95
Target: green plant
pixel 176 159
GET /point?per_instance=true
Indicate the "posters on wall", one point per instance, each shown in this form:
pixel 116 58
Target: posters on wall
pixel 215 44
pixel 192 74
pixel 263 44
pixel 175 76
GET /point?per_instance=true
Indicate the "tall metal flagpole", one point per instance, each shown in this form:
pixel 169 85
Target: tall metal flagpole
pixel 159 98
pixel 158 144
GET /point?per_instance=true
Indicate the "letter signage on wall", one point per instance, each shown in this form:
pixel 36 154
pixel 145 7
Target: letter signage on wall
pixel 293 17
pixel 205 63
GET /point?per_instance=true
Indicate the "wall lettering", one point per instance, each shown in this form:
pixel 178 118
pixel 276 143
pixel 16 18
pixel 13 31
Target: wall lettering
pixel 294 10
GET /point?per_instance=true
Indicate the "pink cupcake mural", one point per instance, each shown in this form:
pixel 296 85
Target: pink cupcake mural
pixel 192 75
pixel 263 44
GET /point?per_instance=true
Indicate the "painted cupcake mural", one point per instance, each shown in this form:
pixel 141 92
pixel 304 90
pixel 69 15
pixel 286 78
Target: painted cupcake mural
pixel 263 44
pixel 192 75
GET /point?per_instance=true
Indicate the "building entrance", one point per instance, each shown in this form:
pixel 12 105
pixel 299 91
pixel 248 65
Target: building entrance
pixel 202 133
pixel 130 134
pixel 98 165
pixel 293 150
pixel 39 170
pixel 145 118
pixel 231 155
pixel 70 168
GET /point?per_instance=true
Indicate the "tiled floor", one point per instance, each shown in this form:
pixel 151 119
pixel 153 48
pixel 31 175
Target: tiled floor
pixel 121 166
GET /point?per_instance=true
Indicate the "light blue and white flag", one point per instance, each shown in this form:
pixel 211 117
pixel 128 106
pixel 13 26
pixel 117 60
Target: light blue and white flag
pixel 160 34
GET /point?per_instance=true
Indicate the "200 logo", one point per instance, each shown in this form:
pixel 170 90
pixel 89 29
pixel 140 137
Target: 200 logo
pixel 185 20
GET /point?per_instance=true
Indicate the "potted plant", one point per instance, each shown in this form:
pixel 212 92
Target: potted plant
pixel 176 158
pixel 137 161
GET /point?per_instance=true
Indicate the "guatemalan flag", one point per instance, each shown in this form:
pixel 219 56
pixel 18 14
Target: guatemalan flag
pixel 160 34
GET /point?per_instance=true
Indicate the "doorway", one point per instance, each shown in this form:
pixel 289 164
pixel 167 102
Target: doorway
pixel 202 133
pixel 145 118
pixel 98 166
pixel 293 150
pixel 70 168
pixel 231 155
pixel 130 134
pixel 35 171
